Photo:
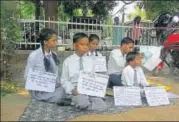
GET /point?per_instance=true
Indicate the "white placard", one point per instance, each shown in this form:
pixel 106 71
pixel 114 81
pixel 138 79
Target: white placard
pixel 99 63
pixel 152 56
pixel 40 81
pixel 156 96
pixel 127 96
pixel 172 95
pixel 92 84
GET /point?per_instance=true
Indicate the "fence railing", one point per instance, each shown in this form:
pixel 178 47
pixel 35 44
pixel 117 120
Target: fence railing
pixel 110 35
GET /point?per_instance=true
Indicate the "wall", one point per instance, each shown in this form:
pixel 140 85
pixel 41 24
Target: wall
pixel 18 62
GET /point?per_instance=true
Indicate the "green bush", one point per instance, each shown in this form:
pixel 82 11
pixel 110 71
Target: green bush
pixel 10 29
pixel 9 87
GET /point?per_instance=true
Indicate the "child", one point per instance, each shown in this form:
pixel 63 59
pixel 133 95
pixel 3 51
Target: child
pixel 117 61
pixel 70 71
pixel 45 60
pixel 136 30
pixel 133 74
pixel 93 44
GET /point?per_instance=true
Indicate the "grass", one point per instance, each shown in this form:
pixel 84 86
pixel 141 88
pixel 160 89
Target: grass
pixel 8 87
pixel 3 94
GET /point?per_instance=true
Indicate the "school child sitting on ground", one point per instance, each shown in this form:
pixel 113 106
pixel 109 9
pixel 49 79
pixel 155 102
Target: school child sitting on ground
pixel 70 71
pixel 45 60
pixel 133 74
pixel 93 45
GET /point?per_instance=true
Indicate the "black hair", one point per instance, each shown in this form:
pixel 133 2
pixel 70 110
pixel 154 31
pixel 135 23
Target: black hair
pixel 131 56
pixel 45 35
pixel 79 36
pixel 116 21
pixel 137 20
pixel 93 37
pixel 127 40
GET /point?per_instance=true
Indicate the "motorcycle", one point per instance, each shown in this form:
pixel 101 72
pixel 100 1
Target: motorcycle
pixel 169 38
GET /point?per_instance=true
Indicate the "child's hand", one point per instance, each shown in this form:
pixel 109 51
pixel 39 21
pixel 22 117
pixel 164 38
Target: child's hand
pixel 57 85
pixel 74 91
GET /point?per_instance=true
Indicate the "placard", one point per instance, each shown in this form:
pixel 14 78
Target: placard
pixel 99 63
pixel 92 84
pixel 156 96
pixel 40 81
pixel 151 56
pixel 127 96
pixel 172 95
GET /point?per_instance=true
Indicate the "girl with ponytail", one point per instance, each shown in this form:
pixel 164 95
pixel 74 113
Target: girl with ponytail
pixel 45 60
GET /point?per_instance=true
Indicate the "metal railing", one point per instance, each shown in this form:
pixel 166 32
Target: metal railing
pixel 110 35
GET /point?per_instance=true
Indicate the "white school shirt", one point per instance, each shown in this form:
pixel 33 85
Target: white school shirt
pixel 71 69
pixel 89 53
pixel 35 60
pixel 128 76
pixel 116 62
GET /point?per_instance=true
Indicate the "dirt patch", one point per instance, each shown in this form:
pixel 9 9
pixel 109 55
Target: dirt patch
pixel 12 106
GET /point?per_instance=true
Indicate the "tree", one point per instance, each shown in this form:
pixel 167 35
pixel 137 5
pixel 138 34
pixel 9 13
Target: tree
pixel 153 8
pixel 27 9
pixel 99 8
pixel 10 30
pixel 102 8
pixel 51 8
pixel 138 12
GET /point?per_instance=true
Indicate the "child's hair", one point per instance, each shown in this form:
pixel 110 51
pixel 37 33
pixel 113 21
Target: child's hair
pixel 127 40
pixel 137 20
pixel 79 36
pixel 45 35
pixel 131 56
pixel 93 37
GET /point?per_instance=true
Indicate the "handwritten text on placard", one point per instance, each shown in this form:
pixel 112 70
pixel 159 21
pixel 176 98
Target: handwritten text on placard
pixel 99 63
pixel 156 96
pixel 92 84
pixel 127 96
pixel 40 81
pixel 151 56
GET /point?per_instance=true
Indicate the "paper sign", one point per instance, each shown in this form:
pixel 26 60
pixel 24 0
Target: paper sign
pixel 92 84
pixel 156 96
pixel 127 96
pixel 99 63
pixel 40 81
pixel 172 95
pixel 152 63
pixel 151 56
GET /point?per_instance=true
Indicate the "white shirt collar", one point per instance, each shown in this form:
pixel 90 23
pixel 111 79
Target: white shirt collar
pixel 48 53
pixel 78 57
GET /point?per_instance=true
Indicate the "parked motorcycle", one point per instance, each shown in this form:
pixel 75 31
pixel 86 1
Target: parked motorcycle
pixel 169 38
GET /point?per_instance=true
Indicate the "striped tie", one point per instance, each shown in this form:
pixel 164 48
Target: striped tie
pixel 81 63
pixel 135 78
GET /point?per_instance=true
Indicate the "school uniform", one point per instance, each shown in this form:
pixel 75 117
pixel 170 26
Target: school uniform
pixel 116 64
pixel 69 79
pixel 134 77
pixel 35 61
